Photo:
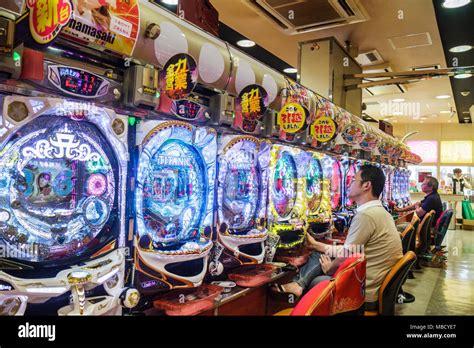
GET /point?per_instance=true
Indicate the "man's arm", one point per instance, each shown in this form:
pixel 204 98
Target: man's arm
pixel 409 208
pixel 331 250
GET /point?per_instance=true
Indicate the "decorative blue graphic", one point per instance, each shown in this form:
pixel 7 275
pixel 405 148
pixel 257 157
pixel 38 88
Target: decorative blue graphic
pixel 175 186
pixel 44 167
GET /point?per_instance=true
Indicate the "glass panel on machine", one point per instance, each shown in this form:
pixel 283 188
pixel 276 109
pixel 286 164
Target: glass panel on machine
pixel 241 192
pixel 314 184
pixel 57 188
pixel 173 197
pixel 285 184
pixel 335 176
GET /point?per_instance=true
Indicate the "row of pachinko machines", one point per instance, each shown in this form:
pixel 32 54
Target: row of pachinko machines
pixel 142 159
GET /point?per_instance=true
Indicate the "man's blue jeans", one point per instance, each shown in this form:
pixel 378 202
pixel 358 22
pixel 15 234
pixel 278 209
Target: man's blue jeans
pixel 311 273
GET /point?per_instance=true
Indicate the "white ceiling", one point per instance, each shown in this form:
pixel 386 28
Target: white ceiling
pixel 384 24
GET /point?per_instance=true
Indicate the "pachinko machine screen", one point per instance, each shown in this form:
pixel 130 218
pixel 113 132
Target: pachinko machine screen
pixel 285 185
pixel 241 184
pixel 314 185
pixel 174 202
pixel 242 198
pixel 57 188
pixel 287 205
pixel 332 168
pixel 350 174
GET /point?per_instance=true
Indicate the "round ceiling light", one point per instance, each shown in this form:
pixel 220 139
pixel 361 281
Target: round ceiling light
pixel 455 3
pixel 246 43
pixel 461 48
pixel 462 76
pixel 290 70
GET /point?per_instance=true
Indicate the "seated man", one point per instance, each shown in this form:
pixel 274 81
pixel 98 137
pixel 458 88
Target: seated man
pixel 372 230
pixel 432 200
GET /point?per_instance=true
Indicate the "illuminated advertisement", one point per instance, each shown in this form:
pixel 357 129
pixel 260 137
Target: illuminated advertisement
pixel 112 24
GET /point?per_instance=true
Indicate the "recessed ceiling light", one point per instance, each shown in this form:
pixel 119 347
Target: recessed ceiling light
pixel 462 76
pixel 170 2
pixel 445 112
pixel 461 48
pixel 399 100
pixel 455 3
pixel 444 96
pixel 465 93
pixel 290 70
pixel 423 118
pixel 245 43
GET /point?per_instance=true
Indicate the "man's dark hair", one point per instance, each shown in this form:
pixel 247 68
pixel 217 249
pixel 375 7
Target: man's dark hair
pixel 457 170
pixel 375 175
pixel 432 182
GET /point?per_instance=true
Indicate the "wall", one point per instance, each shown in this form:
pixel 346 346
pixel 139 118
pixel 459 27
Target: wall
pixel 439 132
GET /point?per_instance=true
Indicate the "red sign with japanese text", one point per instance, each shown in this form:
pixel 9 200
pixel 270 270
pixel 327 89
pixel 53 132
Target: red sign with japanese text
pixel 47 17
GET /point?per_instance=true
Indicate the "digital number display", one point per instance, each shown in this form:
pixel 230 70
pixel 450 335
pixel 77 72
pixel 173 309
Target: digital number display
pixel 79 82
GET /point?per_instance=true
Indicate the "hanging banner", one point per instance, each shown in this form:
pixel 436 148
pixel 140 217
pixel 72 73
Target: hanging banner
pixel 353 134
pixel 369 142
pixel 47 18
pixel 179 76
pixel 292 118
pixel 112 24
pixel 251 105
pixel 323 129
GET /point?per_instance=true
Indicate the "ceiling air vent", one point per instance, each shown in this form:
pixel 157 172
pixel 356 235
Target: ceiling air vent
pixel 369 58
pixel 302 16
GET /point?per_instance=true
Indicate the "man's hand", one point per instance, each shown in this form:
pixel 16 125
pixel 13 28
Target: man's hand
pixel 325 262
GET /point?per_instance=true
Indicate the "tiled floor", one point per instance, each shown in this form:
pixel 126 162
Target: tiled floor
pixel 447 291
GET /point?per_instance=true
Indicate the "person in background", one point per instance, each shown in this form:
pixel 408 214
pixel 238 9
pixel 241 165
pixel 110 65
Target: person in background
pixel 432 200
pixel 372 229
pixel 459 182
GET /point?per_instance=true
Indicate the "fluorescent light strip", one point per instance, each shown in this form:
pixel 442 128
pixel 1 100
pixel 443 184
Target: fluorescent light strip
pixel 47 290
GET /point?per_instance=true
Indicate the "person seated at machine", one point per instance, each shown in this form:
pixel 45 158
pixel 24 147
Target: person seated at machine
pixel 372 230
pixel 432 200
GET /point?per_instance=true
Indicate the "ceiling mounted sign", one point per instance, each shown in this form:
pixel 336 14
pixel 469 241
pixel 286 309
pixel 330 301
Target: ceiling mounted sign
pixel 369 142
pixel 251 105
pixel 323 129
pixel 179 76
pixel 292 118
pixel 353 134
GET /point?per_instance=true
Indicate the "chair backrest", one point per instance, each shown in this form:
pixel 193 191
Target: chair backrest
pixel 423 223
pixel 317 301
pixel 444 220
pixel 392 282
pixel 345 292
pixel 407 236
pixel 415 221
pixel 350 286
pixel 425 232
pixel 442 226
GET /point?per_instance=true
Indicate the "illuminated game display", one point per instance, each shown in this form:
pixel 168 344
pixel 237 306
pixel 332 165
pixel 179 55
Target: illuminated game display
pixel 61 204
pixel 350 168
pixel 174 204
pixel 318 200
pixel 286 195
pixel 334 172
pixel 241 199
